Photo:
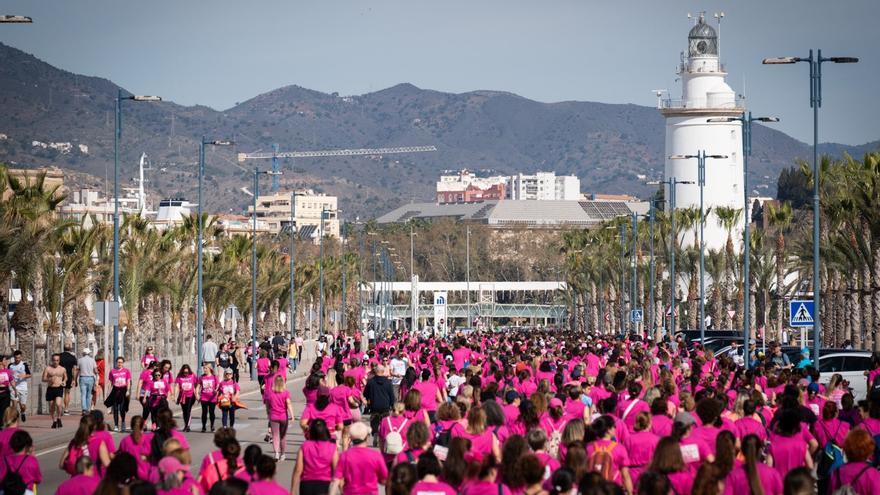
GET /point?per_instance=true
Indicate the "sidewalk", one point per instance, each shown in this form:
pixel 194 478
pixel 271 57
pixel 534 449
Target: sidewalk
pixel 45 437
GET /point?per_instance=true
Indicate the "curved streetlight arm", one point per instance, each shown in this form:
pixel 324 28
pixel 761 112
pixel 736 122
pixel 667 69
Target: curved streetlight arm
pixel 15 19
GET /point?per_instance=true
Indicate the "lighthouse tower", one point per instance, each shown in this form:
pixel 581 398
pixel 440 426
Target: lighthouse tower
pixel 705 96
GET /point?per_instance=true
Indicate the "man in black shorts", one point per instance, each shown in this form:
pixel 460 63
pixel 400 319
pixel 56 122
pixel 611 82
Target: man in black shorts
pixel 55 376
pixel 68 362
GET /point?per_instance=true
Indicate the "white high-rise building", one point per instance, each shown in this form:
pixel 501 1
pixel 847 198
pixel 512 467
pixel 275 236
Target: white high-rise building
pixel 544 186
pixel 705 95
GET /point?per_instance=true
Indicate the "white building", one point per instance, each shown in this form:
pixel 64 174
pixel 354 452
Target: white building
pixel 274 210
pixel 705 96
pixel 544 186
pixel 172 212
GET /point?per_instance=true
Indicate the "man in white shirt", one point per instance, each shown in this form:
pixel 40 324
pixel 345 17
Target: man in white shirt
pixel 397 367
pixel 85 375
pixel 22 374
pixel 209 351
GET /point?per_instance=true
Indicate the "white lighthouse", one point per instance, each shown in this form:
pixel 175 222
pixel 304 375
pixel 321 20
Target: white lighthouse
pixel 705 96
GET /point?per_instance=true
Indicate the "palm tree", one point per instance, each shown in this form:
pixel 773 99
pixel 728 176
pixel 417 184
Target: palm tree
pixel 780 217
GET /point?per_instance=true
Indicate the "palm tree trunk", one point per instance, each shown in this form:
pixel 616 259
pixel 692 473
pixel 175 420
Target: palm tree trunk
pixel 875 293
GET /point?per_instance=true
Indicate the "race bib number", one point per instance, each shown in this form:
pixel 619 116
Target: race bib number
pixel 186 386
pixel 160 385
pixel 4 380
pixel 208 387
pixel 228 390
pixel 690 453
pixel 119 381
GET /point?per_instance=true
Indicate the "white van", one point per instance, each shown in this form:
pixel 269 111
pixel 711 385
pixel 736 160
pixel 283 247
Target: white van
pixel 851 365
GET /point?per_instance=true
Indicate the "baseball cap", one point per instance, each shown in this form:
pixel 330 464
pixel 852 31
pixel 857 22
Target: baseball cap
pixel 358 431
pixel 511 396
pixel 555 402
pixel 170 465
pixel 685 418
pixel 813 387
pixel 87 351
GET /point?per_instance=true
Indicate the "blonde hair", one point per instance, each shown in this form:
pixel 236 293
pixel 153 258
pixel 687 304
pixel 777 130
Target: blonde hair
pixel 278 384
pixel 11 416
pixel 398 409
pixel 330 378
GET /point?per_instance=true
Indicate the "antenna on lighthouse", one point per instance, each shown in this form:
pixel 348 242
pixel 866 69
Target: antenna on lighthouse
pixel 659 94
pixel 718 17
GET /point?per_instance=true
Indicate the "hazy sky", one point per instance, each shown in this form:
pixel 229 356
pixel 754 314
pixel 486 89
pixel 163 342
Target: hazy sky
pixel 219 52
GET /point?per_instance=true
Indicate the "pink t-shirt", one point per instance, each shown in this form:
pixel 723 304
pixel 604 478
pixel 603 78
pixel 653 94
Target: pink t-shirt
pixel 628 414
pixel 157 388
pixel 94 443
pixel 331 415
pixel 276 403
pixel 186 385
pixel 432 488
pixel 267 487
pixel 750 426
pixel 682 481
pixel 5 435
pixel 661 425
pixel 339 395
pixel 317 460
pixel 25 465
pixel 362 469
pixel 208 391
pixel 480 487
pixel 866 484
pixel 138 450
pixel 640 446
pixel 737 482
pixel 481 444
pixel 833 429
pixel 263 366
pixel 119 377
pixel 693 451
pixel 78 485
pixel 229 388
pixel 429 392
pixel 707 434
pixel 788 452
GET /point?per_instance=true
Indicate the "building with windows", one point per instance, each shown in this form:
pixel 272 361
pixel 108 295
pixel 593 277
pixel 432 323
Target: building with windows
pixel 274 211
pixel 466 187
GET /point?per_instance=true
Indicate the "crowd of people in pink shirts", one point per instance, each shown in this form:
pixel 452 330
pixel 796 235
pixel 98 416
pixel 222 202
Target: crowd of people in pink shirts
pixel 519 413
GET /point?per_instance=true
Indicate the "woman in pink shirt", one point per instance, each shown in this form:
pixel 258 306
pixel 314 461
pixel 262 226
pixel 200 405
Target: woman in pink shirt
pixel 157 394
pixel 602 434
pixel 324 409
pixel 137 443
pixel 417 440
pixel 830 427
pixel 185 391
pixel 360 469
pixel 83 483
pixel 788 449
pixel 313 383
pixel 265 483
pixel 22 460
pixel 483 476
pixel 280 411
pixel 750 423
pixel 315 462
pixel 429 470
pixel 100 444
pixel 207 391
pixel 857 472
pixel 119 384
pixel 430 392
pixel 149 357
pixel 640 446
pixel 668 460
pixel 227 397
pixel 263 364
pixel 753 476
pixel 483 441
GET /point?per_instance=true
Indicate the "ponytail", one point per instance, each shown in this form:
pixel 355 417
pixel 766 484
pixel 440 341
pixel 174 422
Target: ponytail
pixel 751 448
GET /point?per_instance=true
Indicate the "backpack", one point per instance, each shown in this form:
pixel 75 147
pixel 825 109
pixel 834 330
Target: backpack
pixel 441 441
pixel 848 488
pixel 157 445
pixel 13 483
pixel 602 462
pixel 876 437
pixel 209 477
pixel 394 440
pixel 74 452
pixel 223 359
pixel 831 457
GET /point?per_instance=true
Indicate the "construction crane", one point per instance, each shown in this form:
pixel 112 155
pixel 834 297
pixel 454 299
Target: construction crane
pixel 275 155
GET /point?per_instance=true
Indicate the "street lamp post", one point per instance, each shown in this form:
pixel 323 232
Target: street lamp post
pixel 632 261
pixel 653 317
pixel 468 270
pixel 294 233
pixel 622 228
pixel 254 311
pixel 815 102
pixel 672 182
pixel 701 157
pixel 321 278
pixel 747 151
pixel 117 135
pixel 199 317
pixel 344 269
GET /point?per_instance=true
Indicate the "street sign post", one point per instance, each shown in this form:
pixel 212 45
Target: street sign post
pixel 800 313
pixel 107 315
pixel 440 313
pixel 636 316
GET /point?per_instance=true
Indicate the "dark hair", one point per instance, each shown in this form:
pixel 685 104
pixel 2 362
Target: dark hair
pixel 141 487
pixel 653 483
pixel 751 449
pixel 265 467
pixel 252 455
pixel 314 380
pixel 455 467
pixel 513 449
pixel 706 482
pixel 318 430
pixel 562 481
pixel 494 413
pixel 788 423
pixel 799 481
pixel 428 464
pixel 122 471
pixel 725 452
pixel 667 456
pixel 229 486
pixel 20 440
pixel 658 406
pixel 599 428
pixel 402 478
pixel 530 469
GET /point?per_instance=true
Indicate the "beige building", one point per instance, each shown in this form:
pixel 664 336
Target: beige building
pixel 274 210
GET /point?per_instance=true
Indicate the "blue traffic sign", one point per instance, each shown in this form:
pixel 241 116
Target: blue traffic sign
pixel 800 313
pixel 635 316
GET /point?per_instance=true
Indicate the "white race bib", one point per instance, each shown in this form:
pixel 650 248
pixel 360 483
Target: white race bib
pixel 186 386
pixel 690 453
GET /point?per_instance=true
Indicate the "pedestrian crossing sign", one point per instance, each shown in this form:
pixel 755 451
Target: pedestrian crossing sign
pixel 800 313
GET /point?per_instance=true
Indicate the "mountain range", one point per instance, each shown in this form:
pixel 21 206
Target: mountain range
pixel 608 146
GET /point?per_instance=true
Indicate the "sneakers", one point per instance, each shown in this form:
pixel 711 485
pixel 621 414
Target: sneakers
pixel 267 439
pixel 204 429
pixel 56 424
pixel 66 412
pixel 282 458
pixel 23 418
pixel 116 429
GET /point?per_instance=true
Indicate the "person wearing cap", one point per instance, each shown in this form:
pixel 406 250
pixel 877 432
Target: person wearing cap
pixel 171 475
pixel 86 367
pixel 227 397
pixel 325 409
pixel 360 470
pixel 805 359
pixel 693 449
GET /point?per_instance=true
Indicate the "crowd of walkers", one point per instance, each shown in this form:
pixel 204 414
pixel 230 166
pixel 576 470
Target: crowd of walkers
pixel 515 413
